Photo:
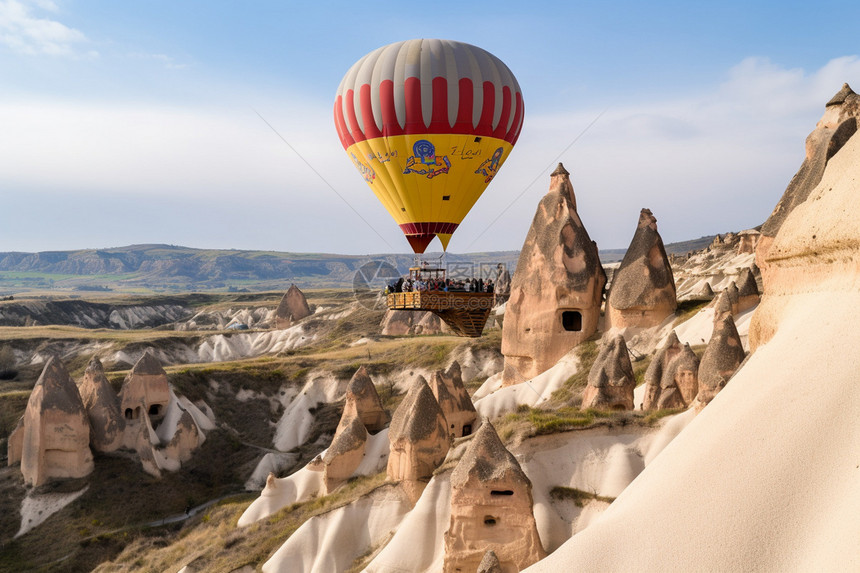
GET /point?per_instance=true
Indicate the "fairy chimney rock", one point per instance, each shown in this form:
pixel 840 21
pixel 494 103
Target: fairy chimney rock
pixel 490 563
pixel 734 296
pixel 831 133
pixel 186 438
pixel 642 293
pixel 748 241
pixel 491 509
pixel 345 453
pixel 503 284
pixel 454 399
pixel 292 308
pixel 102 405
pixel 144 388
pixel 658 367
pixel 721 359
pixel 748 295
pixel 418 438
pixel 610 381
pixel 680 382
pixel 407 322
pixel 557 289
pixel 56 429
pixel 362 398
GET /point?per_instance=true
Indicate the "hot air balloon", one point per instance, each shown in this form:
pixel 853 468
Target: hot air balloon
pixel 428 124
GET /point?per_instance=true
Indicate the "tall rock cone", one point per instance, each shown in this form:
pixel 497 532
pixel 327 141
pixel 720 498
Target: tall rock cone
pixel 748 295
pixel 454 399
pixel 831 133
pixel 610 380
pixel 642 293
pixel 145 388
pixel 292 308
pixel 345 453
pixel 102 404
pixel 418 439
pixel 557 289
pixel 361 396
pixel 680 382
pixel 721 359
pixel 56 440
pixel 658 367
pixel 491 509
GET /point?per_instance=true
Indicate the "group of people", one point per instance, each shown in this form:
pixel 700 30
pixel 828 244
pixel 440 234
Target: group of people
pixel 439 284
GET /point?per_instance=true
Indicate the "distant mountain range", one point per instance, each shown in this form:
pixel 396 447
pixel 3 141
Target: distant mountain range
pixel 169 268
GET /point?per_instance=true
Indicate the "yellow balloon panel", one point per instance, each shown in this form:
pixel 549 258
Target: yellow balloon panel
pixel 429 182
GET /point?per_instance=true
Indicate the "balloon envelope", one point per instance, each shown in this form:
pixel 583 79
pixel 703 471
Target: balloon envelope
pixel 428 124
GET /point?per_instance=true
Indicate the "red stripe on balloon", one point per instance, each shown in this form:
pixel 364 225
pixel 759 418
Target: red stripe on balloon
pixel 425 228
pixel 390 125
pixel 465 107
pixel 371 130
pixel 342 132
pixel 354 128
pixel 414 120
pixel 485 124
pixel 439 120
pixel 517 125
pixel 504 118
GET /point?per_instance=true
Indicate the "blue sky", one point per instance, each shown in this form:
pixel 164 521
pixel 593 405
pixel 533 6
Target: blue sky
pixel 136 122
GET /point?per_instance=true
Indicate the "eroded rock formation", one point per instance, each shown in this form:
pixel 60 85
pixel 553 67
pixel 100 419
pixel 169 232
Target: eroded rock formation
pixel 748 295
pixel 491 509
pixel 292 308
pixel 363 400
pixel 747 241
pixel 454 399
pixel 502 289
pixel 144 388
pixel 831 133
pixel 642 293
pixel 557 290
pixel 490 563
pixel 680 382
pixel 345 453
pixel 102 404
pixel 411 322
pixel 55 441
pixel 721 359
pixel 418 438
pixel 610 380
pixel 658 367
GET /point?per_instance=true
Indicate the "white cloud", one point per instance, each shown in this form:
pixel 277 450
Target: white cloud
pixel 24 32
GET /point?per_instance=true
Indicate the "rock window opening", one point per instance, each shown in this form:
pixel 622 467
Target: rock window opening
pixel 501 492
pixel 128 414
pixel 489 521
pixel 571 320
pixel 467 429
pixel 155 410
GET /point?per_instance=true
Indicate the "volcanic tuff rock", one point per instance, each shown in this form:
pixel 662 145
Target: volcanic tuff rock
pixel 502 289
pixel 490 563
pixel 292 308
pixel 748 295
pixel 748 241
pixel 454 400
pixel 403 322
pixel 56 429
pixel 106 421
pixel 557 290
pixel 491 508
pixel 610 380
pixel 144 388
pixel 721 359
pixel 346 451
pixel 643 289
pixel 831 133
pixel 418 438
pixel 656 370
pixel 680 382
pixel 363 400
